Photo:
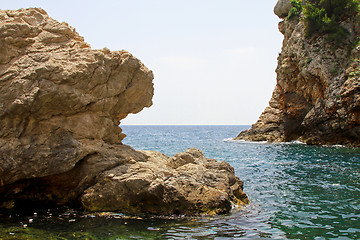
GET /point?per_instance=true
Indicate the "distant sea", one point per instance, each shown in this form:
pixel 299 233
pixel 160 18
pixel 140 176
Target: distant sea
pixel 296 192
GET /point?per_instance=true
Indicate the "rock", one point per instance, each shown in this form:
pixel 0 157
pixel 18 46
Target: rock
pixel 54 89
pixel 163 185
pixel 282 8
pixel 316 96
pixel 60 142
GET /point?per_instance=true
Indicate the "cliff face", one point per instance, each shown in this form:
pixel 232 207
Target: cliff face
pixel 316 98
pixel 60 106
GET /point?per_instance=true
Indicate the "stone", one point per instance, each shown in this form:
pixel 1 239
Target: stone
pixel 61 104
pixel 159 186
pixel 54 89
pixel 282 8
pixel 317 90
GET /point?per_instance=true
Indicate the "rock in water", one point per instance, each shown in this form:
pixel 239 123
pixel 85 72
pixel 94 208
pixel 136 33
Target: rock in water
pixel 186 183
pixel 60 106
pixel 317 96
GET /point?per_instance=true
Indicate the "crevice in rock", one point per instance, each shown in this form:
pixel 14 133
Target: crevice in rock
pixel 58 189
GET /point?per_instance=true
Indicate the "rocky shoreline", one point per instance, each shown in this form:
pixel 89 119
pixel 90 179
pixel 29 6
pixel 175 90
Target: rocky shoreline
pixel 316 97
pixel 60 142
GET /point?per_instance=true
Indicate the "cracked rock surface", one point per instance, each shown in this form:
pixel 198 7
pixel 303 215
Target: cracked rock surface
pixel 60 107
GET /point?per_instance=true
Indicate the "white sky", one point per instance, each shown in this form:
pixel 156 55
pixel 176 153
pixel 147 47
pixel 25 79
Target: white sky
pixel 214 61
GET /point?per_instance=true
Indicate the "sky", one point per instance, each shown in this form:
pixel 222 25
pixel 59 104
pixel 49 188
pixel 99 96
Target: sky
pixel 213 61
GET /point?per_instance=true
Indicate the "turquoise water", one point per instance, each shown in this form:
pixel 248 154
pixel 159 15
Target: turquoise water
pixel 296 192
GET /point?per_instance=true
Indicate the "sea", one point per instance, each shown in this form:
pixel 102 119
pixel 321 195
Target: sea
pixel 296 192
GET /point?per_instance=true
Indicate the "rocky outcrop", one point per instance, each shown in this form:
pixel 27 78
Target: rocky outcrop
pixel 186 183
pixel 316 98
pixel 60 106
pixel 59 98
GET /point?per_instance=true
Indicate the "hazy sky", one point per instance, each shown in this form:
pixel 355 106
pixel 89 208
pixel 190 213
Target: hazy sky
pixel 214 61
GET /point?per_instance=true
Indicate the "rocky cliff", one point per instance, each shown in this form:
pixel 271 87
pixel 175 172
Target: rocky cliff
pixel 60 106
pixel 317 96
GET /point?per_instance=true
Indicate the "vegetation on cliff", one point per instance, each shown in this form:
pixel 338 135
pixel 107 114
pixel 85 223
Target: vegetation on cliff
pixel 325 16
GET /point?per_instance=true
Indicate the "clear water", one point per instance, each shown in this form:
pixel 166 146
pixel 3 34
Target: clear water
pixel 296 192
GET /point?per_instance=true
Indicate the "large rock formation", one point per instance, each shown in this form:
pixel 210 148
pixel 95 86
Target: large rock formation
pixel 60 106
pixel 317 96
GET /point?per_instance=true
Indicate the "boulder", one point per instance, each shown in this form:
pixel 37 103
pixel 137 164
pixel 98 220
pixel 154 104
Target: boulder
pixel 164 185
pixel 282 8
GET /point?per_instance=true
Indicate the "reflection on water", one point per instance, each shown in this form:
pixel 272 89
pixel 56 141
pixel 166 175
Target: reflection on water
pixel 68 224
pixel 296 192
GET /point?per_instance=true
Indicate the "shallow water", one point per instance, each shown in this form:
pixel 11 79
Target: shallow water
pixel 296 192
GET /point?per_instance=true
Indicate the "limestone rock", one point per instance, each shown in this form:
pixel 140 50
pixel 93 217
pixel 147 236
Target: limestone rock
pixel 163 185
pixel 54 90
pixel 282 8
pixel 60 142
pixel 316 96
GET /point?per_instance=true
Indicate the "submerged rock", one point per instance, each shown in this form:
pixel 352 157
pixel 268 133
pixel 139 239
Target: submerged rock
pixel 316 98
pixel 60 106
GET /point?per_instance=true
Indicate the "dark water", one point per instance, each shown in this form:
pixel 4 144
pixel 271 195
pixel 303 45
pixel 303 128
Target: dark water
pixel 296 192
